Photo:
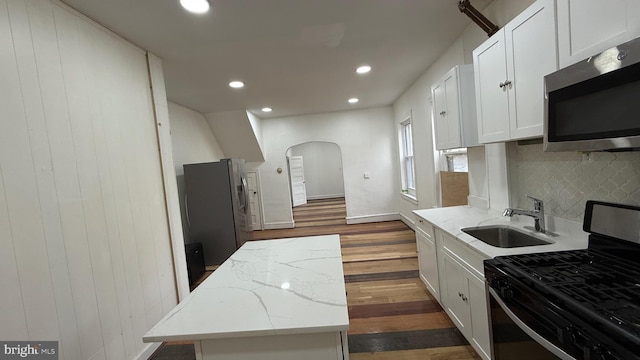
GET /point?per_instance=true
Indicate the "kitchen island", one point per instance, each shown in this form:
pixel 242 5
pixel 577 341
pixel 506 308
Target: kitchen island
pixel 272 299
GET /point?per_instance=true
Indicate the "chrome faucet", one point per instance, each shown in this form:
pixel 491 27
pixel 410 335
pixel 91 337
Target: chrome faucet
pixel 537 213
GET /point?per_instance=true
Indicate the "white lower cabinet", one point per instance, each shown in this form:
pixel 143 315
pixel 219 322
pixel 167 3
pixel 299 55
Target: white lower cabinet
pixel 454 274
pixel 463 293
pixel 427 259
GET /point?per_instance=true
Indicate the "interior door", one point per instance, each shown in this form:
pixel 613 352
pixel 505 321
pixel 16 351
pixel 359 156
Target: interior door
pixel 298 187
pixel 254 202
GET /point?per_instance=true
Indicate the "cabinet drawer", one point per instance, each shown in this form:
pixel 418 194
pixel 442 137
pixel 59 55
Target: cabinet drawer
pixel 471 260
pixel 426 228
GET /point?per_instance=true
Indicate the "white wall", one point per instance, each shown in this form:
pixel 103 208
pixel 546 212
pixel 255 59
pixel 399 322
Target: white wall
pixel 85 254
pixel 322 169
pixel 367 143
pixel 193 142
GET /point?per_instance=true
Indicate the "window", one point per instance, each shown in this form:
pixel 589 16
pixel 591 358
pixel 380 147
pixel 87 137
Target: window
pixel 454 160
pixel 408 168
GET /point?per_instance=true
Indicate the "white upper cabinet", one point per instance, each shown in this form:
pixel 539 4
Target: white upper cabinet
pixel 588 27
pixel 454 112
pixel 509 69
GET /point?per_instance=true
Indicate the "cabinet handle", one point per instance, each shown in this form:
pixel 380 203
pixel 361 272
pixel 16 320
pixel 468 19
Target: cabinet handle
pixel 442 113
pixel 461 295
pixel 506 83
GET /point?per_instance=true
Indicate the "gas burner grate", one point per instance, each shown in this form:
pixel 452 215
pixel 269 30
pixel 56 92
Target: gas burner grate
pixel 590 281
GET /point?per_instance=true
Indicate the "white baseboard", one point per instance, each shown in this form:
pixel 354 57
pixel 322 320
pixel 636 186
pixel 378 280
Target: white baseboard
pixel 410 222
pixel 372 218
pixel 321 197
pixel 279 225
pixel 148 351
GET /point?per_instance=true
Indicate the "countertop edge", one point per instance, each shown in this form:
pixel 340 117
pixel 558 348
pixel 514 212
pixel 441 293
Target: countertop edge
pixel 453 219
pixel 246 334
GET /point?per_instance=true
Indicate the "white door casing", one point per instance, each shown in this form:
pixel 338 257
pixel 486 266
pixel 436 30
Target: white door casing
pixel 253 187
pixel 296 174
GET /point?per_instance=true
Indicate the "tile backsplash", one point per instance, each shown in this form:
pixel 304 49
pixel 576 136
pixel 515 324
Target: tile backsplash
pixel 566 180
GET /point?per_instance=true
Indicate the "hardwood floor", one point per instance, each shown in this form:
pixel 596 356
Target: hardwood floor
pixel 391 314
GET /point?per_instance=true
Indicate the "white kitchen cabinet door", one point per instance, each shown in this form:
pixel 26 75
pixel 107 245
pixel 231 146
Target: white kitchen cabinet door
pixel 588 27
pixel 481 340
pixel 531 54
pixel 428 263
pixel 444 138
pixel 492 102
pixel 509 75
pixel 462 291
pixel 456 301
pixel 454 112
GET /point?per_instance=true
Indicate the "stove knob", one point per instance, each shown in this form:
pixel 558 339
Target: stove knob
pixel 495 283
pixel 506 293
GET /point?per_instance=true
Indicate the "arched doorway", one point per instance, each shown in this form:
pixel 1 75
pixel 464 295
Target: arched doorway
pixel 322 183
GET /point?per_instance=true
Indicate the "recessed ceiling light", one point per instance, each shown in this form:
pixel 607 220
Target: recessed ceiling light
pixel 195 6
pixel 236 84
pixel 353 100
pixel 363 69
pixel 267 109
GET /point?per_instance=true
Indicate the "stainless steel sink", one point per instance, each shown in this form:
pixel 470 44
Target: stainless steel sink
pixel 503 236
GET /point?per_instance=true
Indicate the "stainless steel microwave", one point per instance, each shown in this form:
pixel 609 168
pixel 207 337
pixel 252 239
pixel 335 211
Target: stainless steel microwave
pixel 594 104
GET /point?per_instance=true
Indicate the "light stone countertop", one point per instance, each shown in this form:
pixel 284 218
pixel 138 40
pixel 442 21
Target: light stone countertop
pixel 564 234
pixel 270 287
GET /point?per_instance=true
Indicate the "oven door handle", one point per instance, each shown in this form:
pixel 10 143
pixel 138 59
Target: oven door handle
pixel 534 335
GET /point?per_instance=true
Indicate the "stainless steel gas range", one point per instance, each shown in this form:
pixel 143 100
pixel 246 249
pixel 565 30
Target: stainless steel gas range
pixel 579 304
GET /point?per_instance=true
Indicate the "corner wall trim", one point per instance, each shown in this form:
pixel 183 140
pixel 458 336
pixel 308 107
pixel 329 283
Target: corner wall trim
pixel 372 218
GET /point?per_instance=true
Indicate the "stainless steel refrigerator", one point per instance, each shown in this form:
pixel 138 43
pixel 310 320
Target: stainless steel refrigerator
pixel 217 207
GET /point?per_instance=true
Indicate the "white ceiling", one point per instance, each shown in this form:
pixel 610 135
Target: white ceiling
pixel 296 56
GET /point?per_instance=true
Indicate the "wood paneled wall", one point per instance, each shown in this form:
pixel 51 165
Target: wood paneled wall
pixel 85 255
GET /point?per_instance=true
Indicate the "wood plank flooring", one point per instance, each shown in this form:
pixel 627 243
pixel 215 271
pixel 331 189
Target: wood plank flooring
pixel 391 314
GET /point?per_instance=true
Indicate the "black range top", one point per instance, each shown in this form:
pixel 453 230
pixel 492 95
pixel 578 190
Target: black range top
pixel 596 290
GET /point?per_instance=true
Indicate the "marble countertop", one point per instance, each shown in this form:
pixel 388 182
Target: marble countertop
pixel 563 234
pixel 270 287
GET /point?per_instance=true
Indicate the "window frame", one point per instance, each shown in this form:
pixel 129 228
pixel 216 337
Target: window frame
pixel 407 158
